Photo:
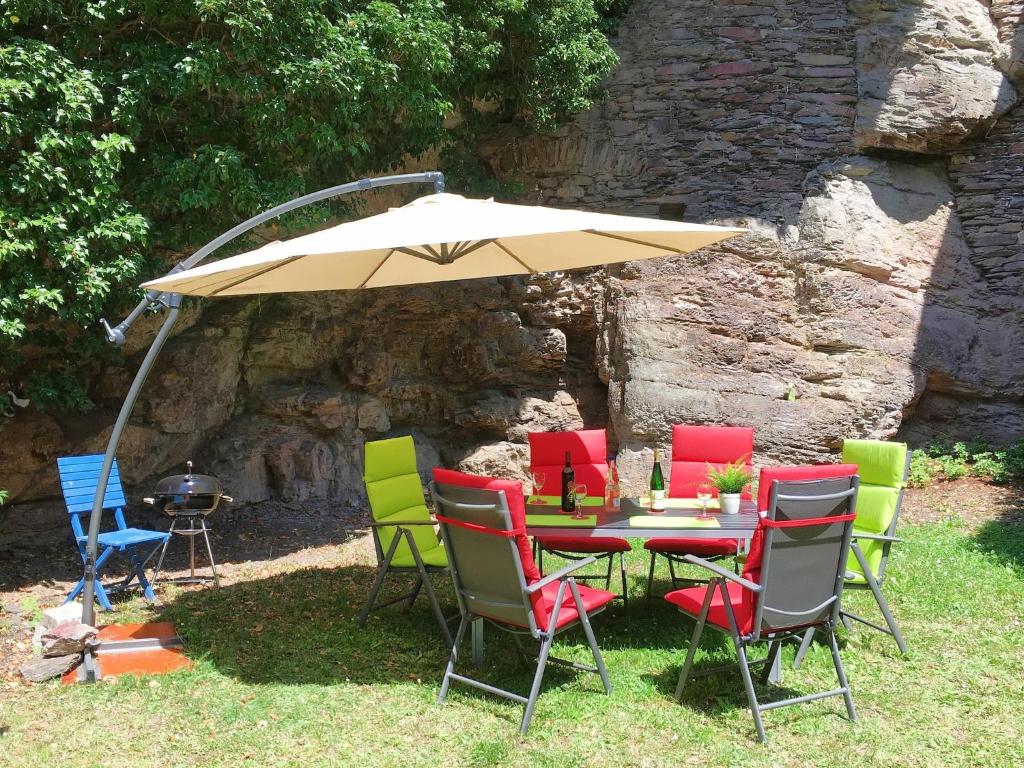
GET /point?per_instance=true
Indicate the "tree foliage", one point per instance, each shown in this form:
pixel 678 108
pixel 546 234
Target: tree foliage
pixel 132 130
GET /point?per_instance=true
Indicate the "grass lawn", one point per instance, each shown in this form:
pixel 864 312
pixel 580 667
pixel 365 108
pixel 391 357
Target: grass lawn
pixel 284 677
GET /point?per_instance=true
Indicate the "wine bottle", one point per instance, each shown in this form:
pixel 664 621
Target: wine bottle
pixel 657 483
pixel 568 485
pixel 612 492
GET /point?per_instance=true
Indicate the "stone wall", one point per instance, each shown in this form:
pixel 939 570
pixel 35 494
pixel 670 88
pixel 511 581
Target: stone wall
pixel 874 150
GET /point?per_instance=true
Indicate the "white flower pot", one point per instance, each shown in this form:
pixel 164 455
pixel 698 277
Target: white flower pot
pixel 730 503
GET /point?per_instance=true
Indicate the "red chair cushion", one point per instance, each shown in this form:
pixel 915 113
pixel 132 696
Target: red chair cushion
pixel 743 601
pixel 584 544
pixel 752 568
pixel 592 600
pixel 516 505
pixel 588 449
pixel 693 448
pixel 683 546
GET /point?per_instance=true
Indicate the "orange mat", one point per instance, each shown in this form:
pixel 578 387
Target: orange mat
pixel 149 661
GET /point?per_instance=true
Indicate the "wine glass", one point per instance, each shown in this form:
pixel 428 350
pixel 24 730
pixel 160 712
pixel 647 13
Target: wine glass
pixel 538 484
pixel 704 492
pixel 579 493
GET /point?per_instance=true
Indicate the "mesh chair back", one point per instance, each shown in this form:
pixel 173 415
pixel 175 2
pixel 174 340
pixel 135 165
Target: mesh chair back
pixel 588 448
pixel 883 468
pixel 394 489
pixel 802 566
pixel 694 447
pixel 485 567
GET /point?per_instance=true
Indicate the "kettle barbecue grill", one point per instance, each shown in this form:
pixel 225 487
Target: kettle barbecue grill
pixel 191 498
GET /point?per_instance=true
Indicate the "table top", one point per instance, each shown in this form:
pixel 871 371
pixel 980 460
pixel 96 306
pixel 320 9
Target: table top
pixel 635 520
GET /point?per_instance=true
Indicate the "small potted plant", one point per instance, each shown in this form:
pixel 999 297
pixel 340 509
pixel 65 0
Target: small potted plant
pixel 730 482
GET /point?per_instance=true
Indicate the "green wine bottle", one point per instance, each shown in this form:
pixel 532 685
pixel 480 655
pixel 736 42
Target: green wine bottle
pixel 657 483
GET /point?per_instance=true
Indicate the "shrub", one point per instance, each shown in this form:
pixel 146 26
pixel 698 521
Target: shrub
pixel 921 469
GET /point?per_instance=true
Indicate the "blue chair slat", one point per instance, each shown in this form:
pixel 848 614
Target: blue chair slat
pixel 79 476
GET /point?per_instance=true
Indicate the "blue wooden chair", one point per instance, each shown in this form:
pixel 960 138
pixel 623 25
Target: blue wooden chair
pixel 79 476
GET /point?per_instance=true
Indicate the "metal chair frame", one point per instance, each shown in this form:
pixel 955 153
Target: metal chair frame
pixel 476 502
pixel 579 557
pixel 420 570
pixel 873 583
pixel 785 492
pixel 678 559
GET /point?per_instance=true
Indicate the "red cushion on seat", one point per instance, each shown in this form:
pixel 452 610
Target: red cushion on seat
pixel 592 600
pixel 584 544
pixel 743 601
pixel 692 546
pixel 516 506
pixel 588 449
pixel 752 568
pixel 693 448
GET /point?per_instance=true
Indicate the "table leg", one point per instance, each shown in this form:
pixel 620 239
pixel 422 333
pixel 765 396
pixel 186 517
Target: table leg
pixel 478 642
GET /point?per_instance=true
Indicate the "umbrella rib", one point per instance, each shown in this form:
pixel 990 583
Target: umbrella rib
pixel 418 255
pixel 369 277
pixel 525 266
pixel 669 248
pixel 257 273
pixel 458 254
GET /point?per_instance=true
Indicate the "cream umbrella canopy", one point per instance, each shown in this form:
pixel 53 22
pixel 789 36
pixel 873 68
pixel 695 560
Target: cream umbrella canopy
pixel 442 237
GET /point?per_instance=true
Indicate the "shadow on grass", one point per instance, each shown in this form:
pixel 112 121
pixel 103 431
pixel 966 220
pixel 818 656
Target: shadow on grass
pixel 1003 536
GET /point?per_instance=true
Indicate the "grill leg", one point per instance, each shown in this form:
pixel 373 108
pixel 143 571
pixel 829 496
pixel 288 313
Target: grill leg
pixel 209 552
pixel 163 551
pixel 191 548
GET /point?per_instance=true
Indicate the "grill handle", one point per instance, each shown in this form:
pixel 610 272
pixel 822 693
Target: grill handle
pixel 149 500
pixel 228 499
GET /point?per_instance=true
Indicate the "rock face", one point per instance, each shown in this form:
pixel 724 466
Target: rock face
pixel 874 150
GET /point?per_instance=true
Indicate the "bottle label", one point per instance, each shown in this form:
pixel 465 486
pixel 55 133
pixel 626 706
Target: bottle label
pixel 658 500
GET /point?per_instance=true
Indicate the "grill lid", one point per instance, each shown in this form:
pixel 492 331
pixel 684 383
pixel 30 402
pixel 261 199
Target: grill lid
pixel 189 484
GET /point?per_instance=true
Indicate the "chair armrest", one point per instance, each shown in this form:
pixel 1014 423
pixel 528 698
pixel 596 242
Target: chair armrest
pixel 723 572
pixel 875 537
pixel 400 523
pixel 559 575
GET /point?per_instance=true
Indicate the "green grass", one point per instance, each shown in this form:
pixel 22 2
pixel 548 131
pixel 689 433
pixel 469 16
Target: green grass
pixel 284 677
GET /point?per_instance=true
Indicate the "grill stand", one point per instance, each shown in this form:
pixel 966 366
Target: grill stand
pixel 191 532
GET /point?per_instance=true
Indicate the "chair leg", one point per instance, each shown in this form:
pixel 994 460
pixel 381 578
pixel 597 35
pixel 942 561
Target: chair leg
pixel 684 673
pixel 542 661
pixel 671 570
pixel 414 594
pixel 452 658
pixel 140 574
pixel 540 559
pixel 209 552
pixel 650 575
pixel 382 570
pixel 841 673
pixel 101 596
pixel 608 573
pixel 883 605
pixel 805 645
pixel 622 573
pixel 589 632
pixel 748 683
pixel 769 663
pixel 425 578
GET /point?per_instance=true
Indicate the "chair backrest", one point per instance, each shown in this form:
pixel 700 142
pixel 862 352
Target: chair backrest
pixel 883 468
pixel 694 447
pixel 802 546
pixel 394 490
pixel 79 476
pixel 588 448
pixel 486 566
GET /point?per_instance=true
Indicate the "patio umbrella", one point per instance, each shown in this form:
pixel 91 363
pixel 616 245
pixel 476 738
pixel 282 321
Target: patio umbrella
pixel 442 237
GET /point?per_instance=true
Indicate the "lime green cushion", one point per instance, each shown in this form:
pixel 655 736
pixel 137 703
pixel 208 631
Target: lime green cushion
pixel 394 490
pixel 878 462
pixel 876 505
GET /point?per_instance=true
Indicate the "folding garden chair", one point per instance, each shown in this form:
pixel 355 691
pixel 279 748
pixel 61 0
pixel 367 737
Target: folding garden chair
pixel 792 580
pixel 483 525
pixel 883 468
pixel 79 476
pixel 693 449
pixel 588 449
pixel 404 534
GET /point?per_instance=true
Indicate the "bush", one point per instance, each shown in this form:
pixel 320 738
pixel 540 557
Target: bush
pixel 921 470
pixel 953 461
pixel 132 132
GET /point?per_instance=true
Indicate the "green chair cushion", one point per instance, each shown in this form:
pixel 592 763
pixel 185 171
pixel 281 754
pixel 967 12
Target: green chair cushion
pixel 387 458
pixel 872 554
pixel 878 462
pixel 394 494
pixel 876 506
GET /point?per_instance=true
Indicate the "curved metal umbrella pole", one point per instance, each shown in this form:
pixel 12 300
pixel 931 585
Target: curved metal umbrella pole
pixel 173 302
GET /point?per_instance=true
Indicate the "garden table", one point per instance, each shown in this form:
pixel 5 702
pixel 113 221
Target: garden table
pixel 634 520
